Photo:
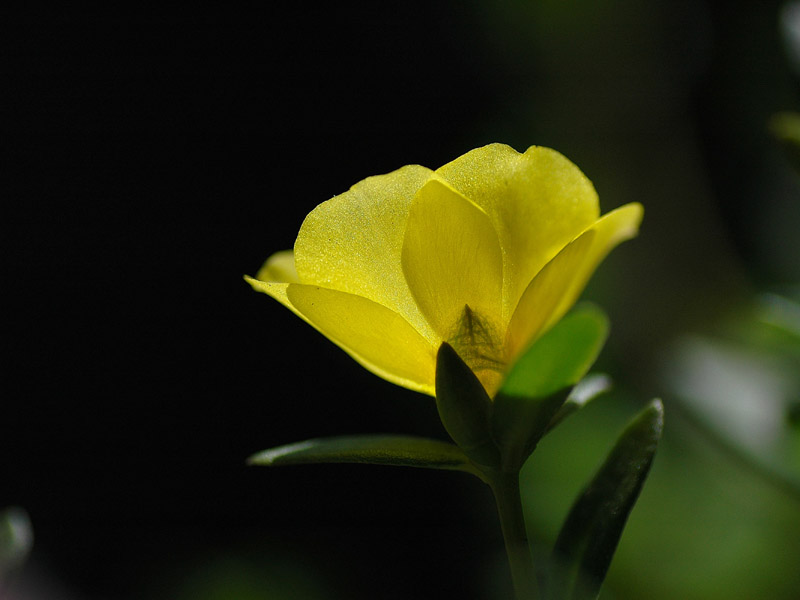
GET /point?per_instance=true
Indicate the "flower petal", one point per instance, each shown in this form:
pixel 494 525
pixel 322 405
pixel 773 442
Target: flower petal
pixel 274 276
pixel 451 259
pixel 557 286
pixel 274 289
pixel 353 242
pixel 376 337
pixel 538 201
pixel 279 267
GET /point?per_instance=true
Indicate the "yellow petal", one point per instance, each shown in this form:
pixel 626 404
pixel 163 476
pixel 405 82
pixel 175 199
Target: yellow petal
pixel 274 289
pixel 353 242
pixel 538 202
pixel 376 337
pixel 559 284
pixel 451 260
pixel 274 276
pixel 279 267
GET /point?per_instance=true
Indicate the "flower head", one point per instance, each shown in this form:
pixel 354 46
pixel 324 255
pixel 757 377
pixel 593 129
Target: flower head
pixel 485 253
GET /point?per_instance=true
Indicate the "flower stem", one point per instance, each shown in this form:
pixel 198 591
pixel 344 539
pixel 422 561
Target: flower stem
pixel 505 486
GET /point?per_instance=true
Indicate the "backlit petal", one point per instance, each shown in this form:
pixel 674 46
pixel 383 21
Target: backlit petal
pixel 451 260
pixel 538 202
pixel 274 289
pixel 559 284
pixel 353 242
pixel 375 336
pixel 279 267
pixel 274 276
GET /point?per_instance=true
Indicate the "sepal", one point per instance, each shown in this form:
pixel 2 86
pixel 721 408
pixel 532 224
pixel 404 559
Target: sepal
pixel 464 407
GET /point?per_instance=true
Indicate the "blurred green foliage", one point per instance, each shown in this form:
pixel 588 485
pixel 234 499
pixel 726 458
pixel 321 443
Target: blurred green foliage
pixel 665 102
pixel 703 526
pixel 236 577
pixel 785 126
pixel 670 104
pixel 16 539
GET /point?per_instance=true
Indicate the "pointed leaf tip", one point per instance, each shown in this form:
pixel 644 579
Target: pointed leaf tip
pixel 591 532
pixel 586 390
pixel 377 449
pixel 655 413
pixel 464 407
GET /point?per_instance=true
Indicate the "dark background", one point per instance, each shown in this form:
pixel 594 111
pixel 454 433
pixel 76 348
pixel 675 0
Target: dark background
pixel 157 157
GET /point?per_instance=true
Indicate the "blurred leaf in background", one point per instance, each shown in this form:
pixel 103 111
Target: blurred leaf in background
pixel 237 577
pixel 148 146
pixel 743 389
pixel 16 540
pixel 668 103
pixel 703 528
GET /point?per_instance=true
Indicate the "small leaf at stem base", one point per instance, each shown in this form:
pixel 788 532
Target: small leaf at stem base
pixel 376 449
pixel 464 407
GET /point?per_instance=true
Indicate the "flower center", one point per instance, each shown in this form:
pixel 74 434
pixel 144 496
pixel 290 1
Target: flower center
pixel 479 344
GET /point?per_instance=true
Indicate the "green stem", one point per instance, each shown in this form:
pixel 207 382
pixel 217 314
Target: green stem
pixel 505 486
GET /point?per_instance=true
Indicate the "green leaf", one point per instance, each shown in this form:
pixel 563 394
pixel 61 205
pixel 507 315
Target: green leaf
pixel 536 387
pixel 561 357
pixel 376 449
pixel 464 407
pixel 589 537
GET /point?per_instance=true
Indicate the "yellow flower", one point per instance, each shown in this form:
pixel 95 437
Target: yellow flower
pixel 485 253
